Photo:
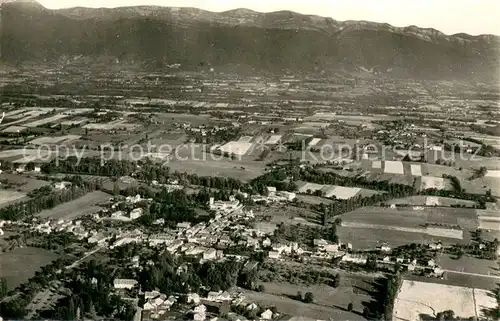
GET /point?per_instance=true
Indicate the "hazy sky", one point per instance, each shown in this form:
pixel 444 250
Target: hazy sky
pixel 450 16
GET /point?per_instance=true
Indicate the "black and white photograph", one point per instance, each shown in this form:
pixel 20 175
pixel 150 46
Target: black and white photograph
pixel 239 160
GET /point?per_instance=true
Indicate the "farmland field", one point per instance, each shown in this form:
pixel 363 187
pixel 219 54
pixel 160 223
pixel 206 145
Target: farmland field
pixel 340 192
pixel 420 298
pixel 24 155
pixel 20 264
pixel 431 201
pixel 237 148
pixel 198 162
pixel 79 207
pixel 288 215
pixel 21 183
pixel 434 182
pixel 416 170
pixel 368 227
pixel 468 264
pixel 111 125
pixel 493 173
pixel 393 167
pixel 274 139
pixel 311 199
pixel 13 129
pixel 465 218
pixel 293 307
pixel 7 196
pixel 489 219
pixel 47 120
pixel 328 301
pixel 53 139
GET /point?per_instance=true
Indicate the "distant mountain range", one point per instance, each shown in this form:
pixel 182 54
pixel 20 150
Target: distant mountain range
pixel 157 36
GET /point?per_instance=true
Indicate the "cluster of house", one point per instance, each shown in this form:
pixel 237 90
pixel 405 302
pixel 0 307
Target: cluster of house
pixel 225 207
pixel 323 249
pixel 430 268
pixel 127 216
pixel 156 304
pixel 196 240
pixel 274 196
pixel 61 225
pixel 171 186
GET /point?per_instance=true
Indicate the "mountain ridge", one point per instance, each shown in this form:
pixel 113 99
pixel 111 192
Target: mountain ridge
pixel 280 39
pixel 245 11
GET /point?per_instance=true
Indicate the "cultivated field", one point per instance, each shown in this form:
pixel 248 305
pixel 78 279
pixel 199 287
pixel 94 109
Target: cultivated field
pixel 340 192
pixel 274 139
pixel 393 167
pixel 236 147
pixel 416 170
pixel 243 170
pixel 287 215
pixel 14 129
pixel 118 124
pixel 7 196
pixel 314 142
pixel 377 164
pixel 293 307
pixel 84 205
pixel 21 183
pixel 489 219
pixel 24 155
pixel 431 201
pixel 418 298
pixel 325 296
pixel 47 120
pixel 493 173
pixel 54 139
pixel 20 264
pixel 434 182
pixel 370 226
pixel 245 139
pixel 469 264
pixel 311 199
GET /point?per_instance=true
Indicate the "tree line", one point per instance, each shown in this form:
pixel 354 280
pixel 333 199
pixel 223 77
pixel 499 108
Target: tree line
pixel 43 201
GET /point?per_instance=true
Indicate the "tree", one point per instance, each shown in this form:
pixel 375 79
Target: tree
pixel 371 263
pixel 336 280
pixel 30 166
pixel 116 189
pixel 445 315
pixel 366 313
pixel 3 287
pixel 71 311
pixel 92 313
pixel 350 306
pixel 309 297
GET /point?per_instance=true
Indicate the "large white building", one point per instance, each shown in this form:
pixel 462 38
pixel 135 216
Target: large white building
pixel 124 283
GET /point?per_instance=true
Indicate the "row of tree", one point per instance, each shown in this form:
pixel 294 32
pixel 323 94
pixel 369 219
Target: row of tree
pixel 42 201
